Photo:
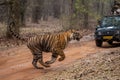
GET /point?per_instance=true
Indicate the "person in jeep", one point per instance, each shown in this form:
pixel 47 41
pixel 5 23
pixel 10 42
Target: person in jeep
pixel 116 8
pixel 108 30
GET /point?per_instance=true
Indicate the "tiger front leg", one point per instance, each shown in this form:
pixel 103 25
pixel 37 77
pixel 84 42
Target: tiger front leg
pixel 53 59
pixel 62 55
pixel 39 57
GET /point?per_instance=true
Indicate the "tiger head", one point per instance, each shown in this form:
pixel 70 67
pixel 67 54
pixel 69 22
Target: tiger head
pixel 75 35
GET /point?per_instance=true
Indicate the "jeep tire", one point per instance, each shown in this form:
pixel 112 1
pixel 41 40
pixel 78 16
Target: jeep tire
pixel 98 43
pixel 110 42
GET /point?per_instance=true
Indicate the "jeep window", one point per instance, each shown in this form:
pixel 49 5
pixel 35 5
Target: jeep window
pixel 110 21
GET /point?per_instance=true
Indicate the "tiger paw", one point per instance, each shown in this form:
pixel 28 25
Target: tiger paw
pixel 40 68
pixel 60 59
pixel 47 65
pixel 47 62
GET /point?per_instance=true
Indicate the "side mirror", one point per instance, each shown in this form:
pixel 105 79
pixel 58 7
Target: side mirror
pixel 99 22
pixel 98 26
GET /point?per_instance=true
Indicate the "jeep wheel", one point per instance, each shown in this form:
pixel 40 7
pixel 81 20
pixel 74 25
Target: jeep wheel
pixel 98 43
pixel 110 42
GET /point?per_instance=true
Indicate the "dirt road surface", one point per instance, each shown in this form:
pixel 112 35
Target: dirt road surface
pixel 15 63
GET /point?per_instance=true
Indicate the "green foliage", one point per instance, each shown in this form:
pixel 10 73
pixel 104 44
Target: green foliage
pixel 89 10
pixel 90 7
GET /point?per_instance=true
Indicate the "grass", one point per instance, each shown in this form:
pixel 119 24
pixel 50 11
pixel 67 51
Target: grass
pixel 2 30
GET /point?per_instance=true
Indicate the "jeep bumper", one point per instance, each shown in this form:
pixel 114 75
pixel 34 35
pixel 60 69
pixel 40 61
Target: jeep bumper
pixel 108 37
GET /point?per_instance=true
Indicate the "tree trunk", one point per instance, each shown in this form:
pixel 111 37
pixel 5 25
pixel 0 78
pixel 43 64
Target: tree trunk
pixel 35 14
pixel 56 8
pixel 85 22
pixel 23 4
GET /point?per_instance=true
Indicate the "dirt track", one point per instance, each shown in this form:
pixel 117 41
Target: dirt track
pixel 15 63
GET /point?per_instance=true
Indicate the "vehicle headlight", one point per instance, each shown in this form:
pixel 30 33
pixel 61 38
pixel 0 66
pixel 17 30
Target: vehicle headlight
pixel 99 33
pixel 117 32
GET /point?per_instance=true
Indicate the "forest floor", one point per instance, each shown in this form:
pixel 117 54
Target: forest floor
pixel 84 61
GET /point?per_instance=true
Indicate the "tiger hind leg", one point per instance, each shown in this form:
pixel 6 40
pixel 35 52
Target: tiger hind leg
pixel 35 60
pixel 53 59
pixel 35 64
pixel 41 61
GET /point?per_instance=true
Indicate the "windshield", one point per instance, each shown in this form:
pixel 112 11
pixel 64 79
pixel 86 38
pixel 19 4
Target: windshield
pixel 110 21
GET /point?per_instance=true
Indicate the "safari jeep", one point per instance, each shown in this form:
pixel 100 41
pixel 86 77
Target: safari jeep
pixel 108 30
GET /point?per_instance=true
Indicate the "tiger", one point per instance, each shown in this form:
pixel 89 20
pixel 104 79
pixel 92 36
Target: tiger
pixel 54 43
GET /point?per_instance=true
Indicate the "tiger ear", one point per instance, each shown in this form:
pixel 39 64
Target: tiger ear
pixel 84 32
pixel 72 30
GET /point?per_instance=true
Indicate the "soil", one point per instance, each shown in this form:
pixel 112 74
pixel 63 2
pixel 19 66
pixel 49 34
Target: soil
pixel 84 61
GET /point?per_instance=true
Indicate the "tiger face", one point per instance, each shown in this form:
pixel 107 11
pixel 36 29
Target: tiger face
pixel 76 35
